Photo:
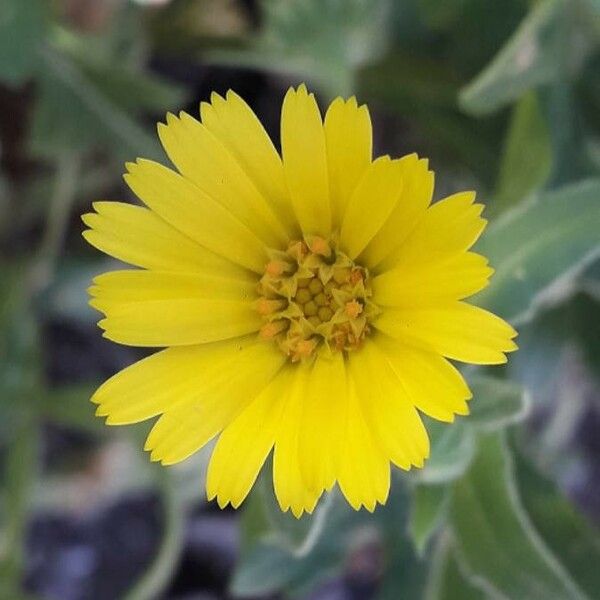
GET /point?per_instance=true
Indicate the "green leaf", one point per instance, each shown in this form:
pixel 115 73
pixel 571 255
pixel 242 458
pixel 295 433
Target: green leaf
pixel 569 134
pixel 429 506
pixel 496 539
pixel 320 41
pixel 496 403
pixel 266 566
pixel 23 27
pixel 572 539
pixel 544 242
pixel 446 581
pixel 452 447
pixel 440 15
pixel 527 157
pixel 552 43
pixel 298 536
pixel 264 569
pixel 125 85
pixel 72 112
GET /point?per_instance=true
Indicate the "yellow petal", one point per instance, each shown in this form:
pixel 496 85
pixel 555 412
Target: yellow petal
pixel 459 331
pixel 433 385
pixel 202 159
pixel 305 161
pixel 139 286
pixel 236 126
pixel 245 444
pixel 175 321
pixel 290 487
pixel 218 398
pixel 387 408
pixel 416 285
pixel 364 471
pixel 349 141
pixel 415 196
pixel 323 421
pixel 186 207
pixel 159 382
pixel 370 205
pixel 138 236
pixel 448 227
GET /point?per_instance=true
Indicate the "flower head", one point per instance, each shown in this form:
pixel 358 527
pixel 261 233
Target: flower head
pixel 307 303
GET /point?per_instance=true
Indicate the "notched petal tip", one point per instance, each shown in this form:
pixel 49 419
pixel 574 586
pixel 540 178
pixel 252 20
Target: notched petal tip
pixel 223 501
pixel 171 119
pixel 131 166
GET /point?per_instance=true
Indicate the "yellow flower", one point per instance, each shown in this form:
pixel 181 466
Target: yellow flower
pixel 307 303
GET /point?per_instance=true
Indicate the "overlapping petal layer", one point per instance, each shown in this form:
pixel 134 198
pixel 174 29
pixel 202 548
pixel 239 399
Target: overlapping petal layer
pixel 208 232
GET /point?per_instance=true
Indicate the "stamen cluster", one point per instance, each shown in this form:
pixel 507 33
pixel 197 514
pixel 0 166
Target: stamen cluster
pixel 313 296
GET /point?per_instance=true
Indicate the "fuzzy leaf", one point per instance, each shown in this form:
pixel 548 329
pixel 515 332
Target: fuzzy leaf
pixel 543 242
pixel 452 447
pixel 527 158
pixel 496 403
pixel 496 539
pixel 73 112
pixel 429 504
pixel 22 29
pixel 573 540
pixel 553 42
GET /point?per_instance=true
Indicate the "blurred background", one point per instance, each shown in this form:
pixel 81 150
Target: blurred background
pixel 503 96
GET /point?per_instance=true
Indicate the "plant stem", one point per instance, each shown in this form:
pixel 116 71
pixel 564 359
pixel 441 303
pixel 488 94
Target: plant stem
pixel 22 460
pixel 20 474
pixel 61 201
pixel 158 575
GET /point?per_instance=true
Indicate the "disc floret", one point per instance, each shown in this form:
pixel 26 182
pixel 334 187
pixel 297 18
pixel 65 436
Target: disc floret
pixel 314 298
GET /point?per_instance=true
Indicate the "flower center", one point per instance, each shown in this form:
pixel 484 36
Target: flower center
pixel 313 296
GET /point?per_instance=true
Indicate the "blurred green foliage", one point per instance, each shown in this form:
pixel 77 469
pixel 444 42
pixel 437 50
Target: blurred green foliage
pixel 503 96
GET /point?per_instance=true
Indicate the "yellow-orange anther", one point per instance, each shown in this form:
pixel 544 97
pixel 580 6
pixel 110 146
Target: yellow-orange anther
pixel 353 309
pixel 266 306
pixel 275 268
pixel 303 349
pixel 320 246
pixel 270 330
pixel 355 276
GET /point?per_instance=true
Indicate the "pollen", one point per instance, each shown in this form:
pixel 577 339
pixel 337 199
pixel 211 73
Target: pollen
pixel 314 298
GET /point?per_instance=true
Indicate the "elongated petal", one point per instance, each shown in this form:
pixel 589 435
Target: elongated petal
pixel 415 196
pixel 176 321
pixel 349 141
pixel 161 381
pixel 458 330
pixel 290 488
pixel 138 236
pixel 364 471
pixel 371 203
pixel 414 285
pixel 186 207
pixel 236 126
pixel 216 401
pixel 202 159
pixel 323 423
pixel 388 409
pixel 138 286
pixel 448 227
pixel 245 444
pixel 305 161
pixel 433 385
